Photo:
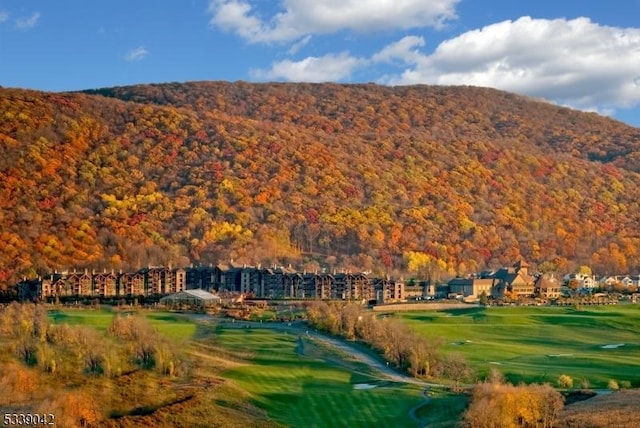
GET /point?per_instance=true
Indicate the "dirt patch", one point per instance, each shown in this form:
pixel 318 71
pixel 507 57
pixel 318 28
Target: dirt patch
pixel 618 409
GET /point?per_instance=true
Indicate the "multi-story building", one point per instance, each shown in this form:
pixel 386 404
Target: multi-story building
pixel 271 283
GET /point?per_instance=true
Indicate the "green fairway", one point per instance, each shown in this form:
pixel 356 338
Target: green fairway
pixel 307 391
pixel 98 319
pixel 538 344
pixel 170 325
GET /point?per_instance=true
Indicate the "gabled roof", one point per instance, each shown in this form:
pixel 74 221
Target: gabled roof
pixel 547 281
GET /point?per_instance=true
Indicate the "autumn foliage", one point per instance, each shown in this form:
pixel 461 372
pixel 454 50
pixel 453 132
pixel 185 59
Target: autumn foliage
pixel 398 344
pixel 502 405
pixel 454 178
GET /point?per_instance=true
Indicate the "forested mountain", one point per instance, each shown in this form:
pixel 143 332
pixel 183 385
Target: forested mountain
pixel 316 175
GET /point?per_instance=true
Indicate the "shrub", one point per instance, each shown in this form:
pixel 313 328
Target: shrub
pixel 505 405
pixel 72 409
pixel 613 385
pixel 18 384
pixel 565 381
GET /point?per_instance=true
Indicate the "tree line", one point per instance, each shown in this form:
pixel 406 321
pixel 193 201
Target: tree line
pixel 396 342
pixel 494 403
pixel 319 176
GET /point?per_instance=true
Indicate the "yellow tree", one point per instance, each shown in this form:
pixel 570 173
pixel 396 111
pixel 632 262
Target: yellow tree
pixel 424 265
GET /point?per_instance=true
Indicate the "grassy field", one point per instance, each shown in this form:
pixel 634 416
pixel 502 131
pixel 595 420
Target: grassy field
pixel 295 381
pixel 538 344
pixel 171 325
pixel 300 384
pixel 100 320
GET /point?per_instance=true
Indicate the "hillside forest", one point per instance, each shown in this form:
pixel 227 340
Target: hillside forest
pixel 424 181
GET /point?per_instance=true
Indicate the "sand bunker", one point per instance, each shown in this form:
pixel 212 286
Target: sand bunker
pixel 363 386
pixel 495 362
pixel 614 346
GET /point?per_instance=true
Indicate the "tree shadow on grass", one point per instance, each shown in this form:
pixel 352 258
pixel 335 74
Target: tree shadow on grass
pixel 465 311
pixel 477 314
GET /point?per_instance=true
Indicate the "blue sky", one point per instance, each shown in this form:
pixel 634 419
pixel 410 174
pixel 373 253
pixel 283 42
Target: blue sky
pixel 580 53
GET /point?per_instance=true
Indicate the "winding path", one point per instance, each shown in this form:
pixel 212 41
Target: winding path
pixel 302 330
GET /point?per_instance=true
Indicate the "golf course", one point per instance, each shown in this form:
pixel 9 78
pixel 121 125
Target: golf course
pixel 300 383
pixel 592 345
pixel 280 375
pixel 283 376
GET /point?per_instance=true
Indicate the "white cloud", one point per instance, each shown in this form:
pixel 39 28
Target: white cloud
pixel 299 18
pixel 136 54
pixel 328 68
pixel 28 22
pixel 299 45
pixel 573 62
pixel 4 16
pixel 404 50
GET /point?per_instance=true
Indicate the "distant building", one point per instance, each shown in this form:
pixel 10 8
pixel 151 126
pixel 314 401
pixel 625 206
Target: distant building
pixel 276 282
pixel 471 287
pixel 515 279
pixel 191 298
pixel 584 282
pixel 547 286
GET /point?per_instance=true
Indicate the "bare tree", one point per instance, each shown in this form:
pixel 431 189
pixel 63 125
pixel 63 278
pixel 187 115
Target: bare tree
pixel 456 368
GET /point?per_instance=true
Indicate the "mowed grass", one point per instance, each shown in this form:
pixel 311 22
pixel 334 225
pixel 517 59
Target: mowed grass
pixel 538 344
pixel 170 325
pixel 98 319
pixel 301 391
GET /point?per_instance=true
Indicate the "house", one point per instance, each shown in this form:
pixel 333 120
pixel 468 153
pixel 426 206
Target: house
pixel 516 280
pixel 620 280
pixel 471 287
pixel 584 282
pixel 547 286
pixel 630 280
